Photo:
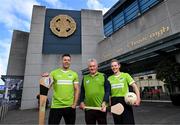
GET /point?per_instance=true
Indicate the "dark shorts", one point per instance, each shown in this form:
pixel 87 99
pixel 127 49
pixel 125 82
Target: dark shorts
pixel 55 115
pixel 93 116
pixel 127 116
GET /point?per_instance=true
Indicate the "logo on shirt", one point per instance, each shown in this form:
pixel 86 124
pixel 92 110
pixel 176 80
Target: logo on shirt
pixel 87 81
pixel 121 79
pixel 97 79
pixel 70 76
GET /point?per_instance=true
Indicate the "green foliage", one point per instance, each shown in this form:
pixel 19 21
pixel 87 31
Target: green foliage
pixel 2 91
pixel 168 71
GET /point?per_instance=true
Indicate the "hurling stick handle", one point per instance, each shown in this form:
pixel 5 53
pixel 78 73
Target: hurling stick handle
pixel 95 108
pixel 42 109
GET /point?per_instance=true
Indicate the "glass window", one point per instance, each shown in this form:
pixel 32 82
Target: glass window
pixel 141 78
pixel 118 21
pixel 149 77
pixel 131 12
pixel 108 29
pixel 146 4
pixel 128 14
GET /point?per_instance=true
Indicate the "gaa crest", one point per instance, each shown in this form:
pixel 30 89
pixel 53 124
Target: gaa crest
pixel 63 25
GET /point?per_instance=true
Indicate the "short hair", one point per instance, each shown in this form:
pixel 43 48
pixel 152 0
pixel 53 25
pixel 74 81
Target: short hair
pixel 92 60
pixel 115 60
pixel 66 54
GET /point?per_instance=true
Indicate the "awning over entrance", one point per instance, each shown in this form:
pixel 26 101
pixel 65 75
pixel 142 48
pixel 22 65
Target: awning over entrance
pixel 4 77
pixel 145 56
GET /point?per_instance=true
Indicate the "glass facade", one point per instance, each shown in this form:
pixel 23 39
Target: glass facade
pixel 127 13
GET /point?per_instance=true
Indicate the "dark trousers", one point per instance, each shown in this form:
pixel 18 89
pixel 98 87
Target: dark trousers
pixel 127 116
pixel 91 116
pixel 55 115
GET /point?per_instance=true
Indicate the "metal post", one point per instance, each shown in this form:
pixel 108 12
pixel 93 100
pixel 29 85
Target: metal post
pixel 7 86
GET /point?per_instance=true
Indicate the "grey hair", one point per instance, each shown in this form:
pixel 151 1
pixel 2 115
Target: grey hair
pixel 92 60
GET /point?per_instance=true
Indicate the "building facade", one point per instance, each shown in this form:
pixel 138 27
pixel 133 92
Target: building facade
pixel 138 33
pixel 42 47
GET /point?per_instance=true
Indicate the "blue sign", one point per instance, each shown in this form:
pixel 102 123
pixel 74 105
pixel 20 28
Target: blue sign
pixel 2 87
pixel 53 44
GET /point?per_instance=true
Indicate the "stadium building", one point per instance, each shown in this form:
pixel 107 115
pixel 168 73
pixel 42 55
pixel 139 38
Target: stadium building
pixel 138 33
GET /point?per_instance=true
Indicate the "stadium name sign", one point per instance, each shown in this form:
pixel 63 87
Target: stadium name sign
pixel 136 42
pixel 152 36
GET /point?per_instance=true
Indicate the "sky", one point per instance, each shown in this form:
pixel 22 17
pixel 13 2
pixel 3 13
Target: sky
pixel 16 15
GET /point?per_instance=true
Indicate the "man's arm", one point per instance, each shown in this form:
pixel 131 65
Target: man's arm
pixel 76 90
pixel 82 95
pixel 107 89
pixel 76 94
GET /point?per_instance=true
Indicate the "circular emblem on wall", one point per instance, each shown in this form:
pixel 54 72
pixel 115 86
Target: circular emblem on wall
pixel 63 25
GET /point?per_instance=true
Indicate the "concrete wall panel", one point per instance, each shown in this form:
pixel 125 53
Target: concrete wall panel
pixel 17 56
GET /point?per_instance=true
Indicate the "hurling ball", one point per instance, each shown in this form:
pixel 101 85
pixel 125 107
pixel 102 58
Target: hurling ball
pixel 130 98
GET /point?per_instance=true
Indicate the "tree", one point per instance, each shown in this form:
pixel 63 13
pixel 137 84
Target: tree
pixel 168 71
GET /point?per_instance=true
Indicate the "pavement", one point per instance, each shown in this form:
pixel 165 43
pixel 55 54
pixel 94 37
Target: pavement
pixel 146 113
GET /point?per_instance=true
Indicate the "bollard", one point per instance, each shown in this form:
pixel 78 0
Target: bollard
pixel 0 112
pixel 3 111
pixel 6 110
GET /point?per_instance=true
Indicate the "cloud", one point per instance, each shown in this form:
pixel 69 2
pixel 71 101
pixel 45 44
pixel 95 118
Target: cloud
pixel 13 22
pixel 96 5
pixel 54 3
pixel 4 54
pixel 16 14
pixel 5 49
pixel 57 4
pixel 25 7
